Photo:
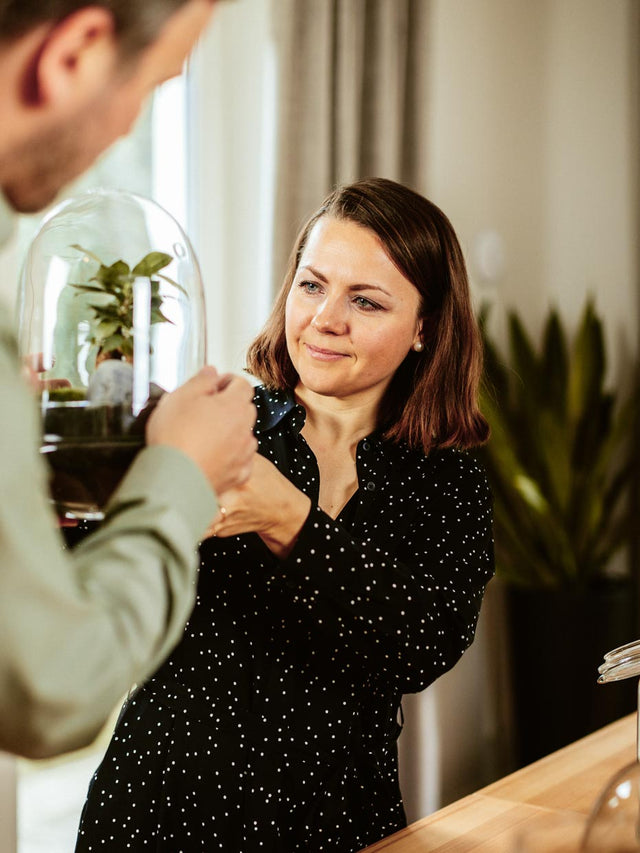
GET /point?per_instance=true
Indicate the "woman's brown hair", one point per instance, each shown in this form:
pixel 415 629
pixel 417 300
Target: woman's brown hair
pixel 432 399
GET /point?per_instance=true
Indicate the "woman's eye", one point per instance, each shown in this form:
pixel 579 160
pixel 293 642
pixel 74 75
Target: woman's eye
pixel 366 304
pixel 309 286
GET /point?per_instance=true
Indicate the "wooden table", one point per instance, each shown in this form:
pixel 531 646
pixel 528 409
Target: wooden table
pixel 558 789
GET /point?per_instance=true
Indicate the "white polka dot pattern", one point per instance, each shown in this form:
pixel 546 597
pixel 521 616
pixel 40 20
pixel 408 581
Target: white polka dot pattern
pixel 273 725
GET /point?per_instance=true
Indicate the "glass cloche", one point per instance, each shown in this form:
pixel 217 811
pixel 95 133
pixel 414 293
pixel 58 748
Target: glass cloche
pixel 111 315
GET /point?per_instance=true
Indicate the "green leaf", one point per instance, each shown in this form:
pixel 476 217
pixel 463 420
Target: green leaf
pixel 86 288
pixel 561 459
pixel 151 264
pixel 114 278
pixel 174 283
pixel 106 328
pixel 86 252
pixel 158 317
pixel 588 363
pixel 113 342
pixel 555 368
pixel 524 360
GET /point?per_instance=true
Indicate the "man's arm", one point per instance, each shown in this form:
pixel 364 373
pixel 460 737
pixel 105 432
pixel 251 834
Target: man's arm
pixel 76 630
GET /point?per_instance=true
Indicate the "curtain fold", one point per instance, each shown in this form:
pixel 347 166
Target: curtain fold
pixel 351 83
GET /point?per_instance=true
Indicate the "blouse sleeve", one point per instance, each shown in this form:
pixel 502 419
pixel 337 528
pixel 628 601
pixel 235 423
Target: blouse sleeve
pixel 407 609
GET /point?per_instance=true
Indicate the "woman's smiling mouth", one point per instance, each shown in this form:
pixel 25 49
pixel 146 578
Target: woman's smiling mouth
pixel 324 354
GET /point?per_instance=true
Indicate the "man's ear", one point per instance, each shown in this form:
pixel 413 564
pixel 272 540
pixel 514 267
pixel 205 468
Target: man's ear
pixel 77 58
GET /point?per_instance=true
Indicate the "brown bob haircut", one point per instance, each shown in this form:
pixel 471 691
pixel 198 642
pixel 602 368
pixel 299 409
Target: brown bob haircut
pixel 431 401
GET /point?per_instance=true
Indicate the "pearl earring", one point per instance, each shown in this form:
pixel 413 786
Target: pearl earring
pixel 418 346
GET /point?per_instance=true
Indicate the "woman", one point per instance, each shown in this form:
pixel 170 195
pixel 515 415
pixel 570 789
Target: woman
pixel 348 571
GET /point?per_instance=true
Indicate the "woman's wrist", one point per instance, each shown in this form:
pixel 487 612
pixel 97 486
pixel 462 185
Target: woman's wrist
pixel 281 536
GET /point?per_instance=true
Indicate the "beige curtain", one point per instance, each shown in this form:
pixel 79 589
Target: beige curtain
pixel 351 78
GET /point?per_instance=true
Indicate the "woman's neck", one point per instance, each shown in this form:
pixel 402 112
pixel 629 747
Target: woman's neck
pixel 344 422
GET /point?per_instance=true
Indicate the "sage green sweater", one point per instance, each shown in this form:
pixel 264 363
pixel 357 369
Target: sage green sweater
pixel 78 629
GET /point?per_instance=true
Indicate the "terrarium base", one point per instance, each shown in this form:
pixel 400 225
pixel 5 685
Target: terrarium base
pixel 85 474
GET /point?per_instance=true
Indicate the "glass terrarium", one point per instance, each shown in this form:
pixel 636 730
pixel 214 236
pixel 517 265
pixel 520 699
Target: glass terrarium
pixel 111 315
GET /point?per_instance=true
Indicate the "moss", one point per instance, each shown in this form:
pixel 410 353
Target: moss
pixel 67 395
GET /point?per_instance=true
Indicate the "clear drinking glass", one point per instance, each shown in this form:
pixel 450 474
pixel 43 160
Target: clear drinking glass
pixel 111 316
pixel 614 823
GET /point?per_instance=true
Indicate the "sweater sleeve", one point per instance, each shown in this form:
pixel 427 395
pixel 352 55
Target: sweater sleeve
pixel 405 608
pixel 77 629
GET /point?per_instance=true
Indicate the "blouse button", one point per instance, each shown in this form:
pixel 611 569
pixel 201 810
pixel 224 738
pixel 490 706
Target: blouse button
pixel 370 486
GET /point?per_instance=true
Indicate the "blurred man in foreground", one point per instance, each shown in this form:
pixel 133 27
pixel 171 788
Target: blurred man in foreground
pixel 76 630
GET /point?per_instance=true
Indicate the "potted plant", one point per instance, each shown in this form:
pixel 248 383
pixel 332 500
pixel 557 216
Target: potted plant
pixel 92 433
pixel 561 462
pixel 108 331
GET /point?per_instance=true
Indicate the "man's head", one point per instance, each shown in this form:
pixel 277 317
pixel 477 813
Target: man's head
pixel 136 24
pixel 74 79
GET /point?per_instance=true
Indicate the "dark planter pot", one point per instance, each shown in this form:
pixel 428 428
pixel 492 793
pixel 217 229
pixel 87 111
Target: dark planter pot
pixel 558 638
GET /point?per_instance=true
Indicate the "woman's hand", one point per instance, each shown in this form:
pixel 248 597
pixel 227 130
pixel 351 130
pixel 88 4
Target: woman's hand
pixel 267 504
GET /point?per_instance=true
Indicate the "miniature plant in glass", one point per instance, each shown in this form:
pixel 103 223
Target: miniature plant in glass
pixel 112 313
pixel 112 327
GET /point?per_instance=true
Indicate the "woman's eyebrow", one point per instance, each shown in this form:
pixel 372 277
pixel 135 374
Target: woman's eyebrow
pixel 355 287
pixel 315 272
pixel 365 286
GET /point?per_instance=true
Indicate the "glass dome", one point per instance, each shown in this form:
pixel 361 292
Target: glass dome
pixel 111 315
pixel 614 821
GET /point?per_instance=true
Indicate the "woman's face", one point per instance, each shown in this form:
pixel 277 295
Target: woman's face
pixel 351 316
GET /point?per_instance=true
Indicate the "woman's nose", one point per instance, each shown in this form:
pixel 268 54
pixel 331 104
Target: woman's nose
pixel 330 318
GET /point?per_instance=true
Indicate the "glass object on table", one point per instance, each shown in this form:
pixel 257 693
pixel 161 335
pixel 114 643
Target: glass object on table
pixel 614 823
pixel 111 315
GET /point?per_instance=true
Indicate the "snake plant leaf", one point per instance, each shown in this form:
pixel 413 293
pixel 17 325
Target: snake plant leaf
pixel 620 432
pixel 614 537
pixel 588 364
pixel 496 373
pixel 553 450
pixel 555 367
pixel 524 362
pixel 513 549
pixel 561 457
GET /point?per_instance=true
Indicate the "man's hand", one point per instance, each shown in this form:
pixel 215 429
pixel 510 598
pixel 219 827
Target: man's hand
pixel 210 418
pixel 32 367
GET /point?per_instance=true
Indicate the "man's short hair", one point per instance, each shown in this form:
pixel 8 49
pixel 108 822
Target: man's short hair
pixel 137 21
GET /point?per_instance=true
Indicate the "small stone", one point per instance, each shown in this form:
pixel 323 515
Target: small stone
pixel 111 384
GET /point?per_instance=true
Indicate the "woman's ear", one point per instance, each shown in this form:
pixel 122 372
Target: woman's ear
pixel 418 342
pixel 76 60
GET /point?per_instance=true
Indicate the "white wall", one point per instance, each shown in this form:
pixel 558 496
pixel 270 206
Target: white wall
pixel 533 114
pixel 532 137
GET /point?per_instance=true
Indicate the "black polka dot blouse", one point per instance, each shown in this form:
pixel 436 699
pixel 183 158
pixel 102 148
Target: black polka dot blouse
pixel 273 725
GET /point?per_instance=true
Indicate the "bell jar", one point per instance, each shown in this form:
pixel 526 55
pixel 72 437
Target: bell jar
pixel 614 822
pixel 111 316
